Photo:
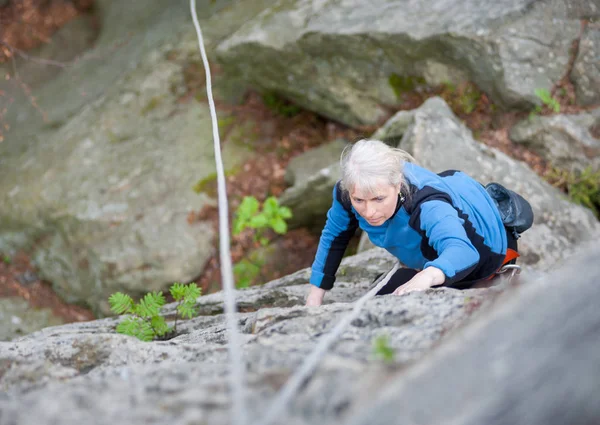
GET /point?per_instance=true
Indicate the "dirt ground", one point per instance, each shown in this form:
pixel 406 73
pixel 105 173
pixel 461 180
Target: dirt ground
pixel 32 22
pixel 18 278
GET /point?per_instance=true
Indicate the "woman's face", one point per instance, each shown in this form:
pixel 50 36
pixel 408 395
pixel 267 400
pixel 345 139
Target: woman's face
pixel 378 206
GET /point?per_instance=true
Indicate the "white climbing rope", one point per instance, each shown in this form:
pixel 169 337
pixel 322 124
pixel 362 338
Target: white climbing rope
pixel 297 379
pixel 237 371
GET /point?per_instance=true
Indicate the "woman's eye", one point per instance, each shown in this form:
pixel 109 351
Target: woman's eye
pixel 379 198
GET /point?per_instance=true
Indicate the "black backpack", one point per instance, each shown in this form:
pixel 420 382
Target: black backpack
pixel 515 211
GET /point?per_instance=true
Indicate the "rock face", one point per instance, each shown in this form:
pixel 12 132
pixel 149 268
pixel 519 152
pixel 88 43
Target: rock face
pixel 127 377
pixel 304 166
pixel 584 9
pixel 563 140
pixel 586 69
pixel 347 60
pixel 17 318
pixel 99 195
pixel 312 176
pixel 512 367
pixel 70 41
pixel 520 359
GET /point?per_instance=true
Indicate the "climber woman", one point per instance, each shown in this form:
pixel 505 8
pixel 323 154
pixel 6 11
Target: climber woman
pixel 445 228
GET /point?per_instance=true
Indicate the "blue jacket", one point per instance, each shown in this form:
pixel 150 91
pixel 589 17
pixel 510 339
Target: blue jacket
pixel 445 220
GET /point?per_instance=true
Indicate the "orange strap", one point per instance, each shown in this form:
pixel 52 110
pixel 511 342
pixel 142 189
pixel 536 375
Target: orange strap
pixel 511 254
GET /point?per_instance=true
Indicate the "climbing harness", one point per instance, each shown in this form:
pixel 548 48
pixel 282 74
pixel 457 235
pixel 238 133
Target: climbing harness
pixel 511 269
pixel 507 267
pixel 237 372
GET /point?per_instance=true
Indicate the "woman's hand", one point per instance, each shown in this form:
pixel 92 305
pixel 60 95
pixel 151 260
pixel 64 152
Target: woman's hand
pixel 425 279
pixel 315 296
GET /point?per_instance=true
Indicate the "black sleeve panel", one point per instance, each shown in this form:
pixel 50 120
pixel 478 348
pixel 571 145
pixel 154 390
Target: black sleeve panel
pixel 340 242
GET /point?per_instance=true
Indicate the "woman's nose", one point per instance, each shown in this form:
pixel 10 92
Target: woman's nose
pixel 370 210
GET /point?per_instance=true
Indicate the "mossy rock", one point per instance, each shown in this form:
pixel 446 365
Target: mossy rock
pixel 402 84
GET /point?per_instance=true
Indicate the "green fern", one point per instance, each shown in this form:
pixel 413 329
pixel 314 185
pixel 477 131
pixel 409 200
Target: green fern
pixel 187 308
pixel 187 311
pixel 177 291
pixel 150 305
pixel 136 327
pixel 159 325
pixel 186 295
pixel 144 321
pixel 121 303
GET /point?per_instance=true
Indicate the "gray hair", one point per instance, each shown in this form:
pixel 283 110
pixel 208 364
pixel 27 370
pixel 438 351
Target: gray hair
pixel 369 162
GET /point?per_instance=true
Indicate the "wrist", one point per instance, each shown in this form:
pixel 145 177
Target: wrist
pixel 435 275
pixel 315 296
pixel 316 290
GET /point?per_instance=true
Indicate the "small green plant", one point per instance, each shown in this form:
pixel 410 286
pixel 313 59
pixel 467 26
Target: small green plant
pixel 469 98
pixel 280 106
pixel 246 271
pixel 463 99
pixel 151 105
pixel 402 84
pixel 225 123
pixel 203 185
pixel 449 87
pixel 272 216
pixel 249 214
pixel 186 296
pixel 6 260
pixel 208 184
pixel 583 187
pixel 382 349
pixel 144 321
pixel 546 97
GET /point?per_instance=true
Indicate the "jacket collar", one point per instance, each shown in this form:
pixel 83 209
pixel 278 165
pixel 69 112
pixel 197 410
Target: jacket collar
pixel 401 200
